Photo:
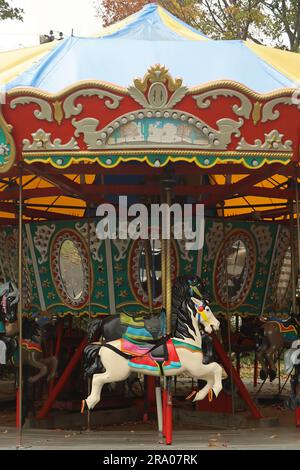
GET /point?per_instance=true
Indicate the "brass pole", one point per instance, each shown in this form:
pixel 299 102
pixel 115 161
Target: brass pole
pixel 20 306
pixel 89 264
pixel 147 247
pixel 293 264
pixel 168 279
pixel 298 220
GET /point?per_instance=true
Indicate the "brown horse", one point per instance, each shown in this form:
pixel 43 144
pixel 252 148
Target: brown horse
pixel 32 353
pixel 278 334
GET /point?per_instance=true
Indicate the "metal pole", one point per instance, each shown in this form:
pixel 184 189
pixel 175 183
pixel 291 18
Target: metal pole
pixel 20 308
pixel 292 243
pixel 89 252
pixel 298 236
pixel 228 314
pixel 168 270
pixel 147 248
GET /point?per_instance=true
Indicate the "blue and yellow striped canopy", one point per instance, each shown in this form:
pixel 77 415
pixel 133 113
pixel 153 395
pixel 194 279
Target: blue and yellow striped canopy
pixel 128 48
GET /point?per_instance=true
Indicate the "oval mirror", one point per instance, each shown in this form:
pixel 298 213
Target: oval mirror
pixel 236 263
pixel 154 255
pixel 71 269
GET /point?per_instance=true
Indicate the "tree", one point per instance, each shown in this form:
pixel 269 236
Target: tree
pixel 115 10
pixel 285 15
pixel 263 21
pixel 233 19
pixel 8 12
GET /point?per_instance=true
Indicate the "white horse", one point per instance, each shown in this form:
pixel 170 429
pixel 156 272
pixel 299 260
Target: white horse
pixel 187 341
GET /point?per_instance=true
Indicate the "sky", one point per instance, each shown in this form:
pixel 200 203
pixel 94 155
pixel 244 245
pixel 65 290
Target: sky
pixel 43 15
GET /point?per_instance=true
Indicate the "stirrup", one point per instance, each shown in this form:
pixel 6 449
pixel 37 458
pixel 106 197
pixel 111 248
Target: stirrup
pixel 82 406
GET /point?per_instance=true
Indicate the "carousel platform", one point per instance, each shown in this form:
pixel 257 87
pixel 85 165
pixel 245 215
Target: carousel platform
pixel 145 437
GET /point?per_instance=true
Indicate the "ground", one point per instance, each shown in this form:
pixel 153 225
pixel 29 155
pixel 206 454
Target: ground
pixel 144 437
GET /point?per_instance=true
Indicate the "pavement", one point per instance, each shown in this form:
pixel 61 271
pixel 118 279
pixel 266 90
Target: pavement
pixel 145 437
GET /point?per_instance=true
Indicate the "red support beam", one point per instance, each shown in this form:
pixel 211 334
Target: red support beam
pixel 63 380
pixel 243 186
pixel 35 213
pixel 228 366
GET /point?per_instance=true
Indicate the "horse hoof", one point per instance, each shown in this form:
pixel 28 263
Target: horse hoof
pixel 272 375
pixel 191 395
pixel 82 406
pixel 263 374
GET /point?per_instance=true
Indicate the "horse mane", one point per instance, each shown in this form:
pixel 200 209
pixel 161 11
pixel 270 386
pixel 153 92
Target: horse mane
pixel 94 329
pixel 181 303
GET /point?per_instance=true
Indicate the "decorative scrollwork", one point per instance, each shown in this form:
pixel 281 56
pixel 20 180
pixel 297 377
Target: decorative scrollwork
pixel 273 142
pixel 164 92
pixel 42 141
pixel 89 234
pixel 264 240
pixel 204 100
pixel 157 73
pixel 41 239
pixel 112 101
pixel 43 113
pixel 271 114
pixel 214 238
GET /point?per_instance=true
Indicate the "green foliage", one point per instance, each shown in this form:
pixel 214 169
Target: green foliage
pixel 8 12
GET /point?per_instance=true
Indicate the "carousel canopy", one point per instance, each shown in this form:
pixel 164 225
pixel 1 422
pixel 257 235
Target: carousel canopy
pixel 149 37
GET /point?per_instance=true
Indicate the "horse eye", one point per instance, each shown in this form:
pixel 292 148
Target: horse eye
pixel 207 309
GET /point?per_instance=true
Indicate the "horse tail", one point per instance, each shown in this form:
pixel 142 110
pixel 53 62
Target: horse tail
pixel 94 330
pixel 91 360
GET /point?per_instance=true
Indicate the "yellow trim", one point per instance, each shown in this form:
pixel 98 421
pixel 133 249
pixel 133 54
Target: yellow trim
pixel 28 91
pixel 177 27
pixel 287 63
pixel 276 158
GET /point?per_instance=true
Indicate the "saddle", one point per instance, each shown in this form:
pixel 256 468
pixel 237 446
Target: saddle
pixel 155 358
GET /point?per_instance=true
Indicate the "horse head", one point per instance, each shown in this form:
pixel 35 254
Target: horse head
pixel 205 316
pixel 9 298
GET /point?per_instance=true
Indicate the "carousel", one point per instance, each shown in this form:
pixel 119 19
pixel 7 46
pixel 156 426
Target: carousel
pixel 156 111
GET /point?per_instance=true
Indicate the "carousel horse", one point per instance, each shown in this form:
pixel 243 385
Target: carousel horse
pixel 292 361
pixel 110 328
pixel 169 356
pixel 32 354
pixel 277 334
